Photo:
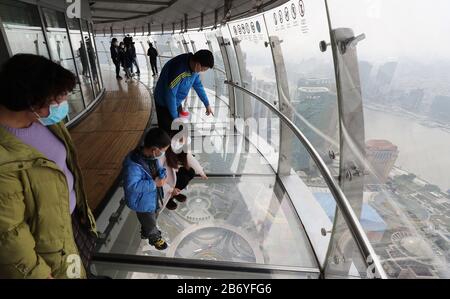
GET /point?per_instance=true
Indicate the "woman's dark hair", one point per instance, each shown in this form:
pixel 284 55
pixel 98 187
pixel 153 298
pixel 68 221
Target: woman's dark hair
pixel 156 137
pixel 205 58
pixel 175 160
pixel 113 40
pixel 28 80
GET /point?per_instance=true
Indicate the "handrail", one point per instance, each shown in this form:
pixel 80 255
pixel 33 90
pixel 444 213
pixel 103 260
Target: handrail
pixel 341 200
pixel 196 264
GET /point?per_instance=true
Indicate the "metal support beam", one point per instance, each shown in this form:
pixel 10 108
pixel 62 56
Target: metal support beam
pixel 185 22
pixel 173 28
pixel 223 43
pixel 202 21
pixel 94 9
pixel 227 10
pixel 216 18
pixel 111 29
pixel 160 3
pixel 106 18
pixel 284 104
pixel 162 28
pixel 149 26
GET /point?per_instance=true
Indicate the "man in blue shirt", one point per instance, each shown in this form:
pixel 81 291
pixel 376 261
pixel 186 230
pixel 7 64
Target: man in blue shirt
pixel 177 77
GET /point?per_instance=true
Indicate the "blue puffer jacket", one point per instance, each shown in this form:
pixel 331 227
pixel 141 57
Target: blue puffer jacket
pixel 141 193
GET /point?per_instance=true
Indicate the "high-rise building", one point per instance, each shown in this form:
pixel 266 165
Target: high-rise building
pixel 381 155
pixel 317 106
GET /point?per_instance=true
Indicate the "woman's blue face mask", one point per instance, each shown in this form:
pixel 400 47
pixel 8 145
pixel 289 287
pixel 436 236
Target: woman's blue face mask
pixel 156 157
pixel 57 113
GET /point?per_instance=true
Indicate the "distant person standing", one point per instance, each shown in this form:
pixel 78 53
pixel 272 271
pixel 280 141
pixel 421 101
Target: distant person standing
pixel 92 57
pixel 129 44
pixel 152 53
pixel 125 60
pixel 177 77
pixel 84 60
pixel 115 56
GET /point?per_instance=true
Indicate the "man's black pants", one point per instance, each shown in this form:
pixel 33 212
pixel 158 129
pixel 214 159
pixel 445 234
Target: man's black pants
pixel 165 120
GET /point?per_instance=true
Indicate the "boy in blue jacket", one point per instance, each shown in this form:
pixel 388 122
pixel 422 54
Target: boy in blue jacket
pixel 176 79
pixel 143 181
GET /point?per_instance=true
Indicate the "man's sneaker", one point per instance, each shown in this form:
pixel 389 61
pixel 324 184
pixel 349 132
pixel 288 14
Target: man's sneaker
pixel 119 78
pixel 171 204
pixel 180 197
pixel 159 244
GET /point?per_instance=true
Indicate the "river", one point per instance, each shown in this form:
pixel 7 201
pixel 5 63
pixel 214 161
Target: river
pixel 423 151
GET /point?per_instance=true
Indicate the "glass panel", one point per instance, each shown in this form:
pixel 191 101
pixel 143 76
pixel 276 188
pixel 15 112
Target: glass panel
pixel 219 69
pixel 22 26
pixel 96 54
pixel 141 45
pixel 92 56
pixel 229 46
pixel 264 131
pixel 176 44
pixel 300 26
pixel 162 44
pixel 81 59
pixel 59 45
pixel 406 99
pixel 103 44
pixel 256 66
pixel 316 207
pixel 247 219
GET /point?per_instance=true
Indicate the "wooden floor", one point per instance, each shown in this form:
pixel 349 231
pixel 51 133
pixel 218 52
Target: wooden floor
pixel 109 132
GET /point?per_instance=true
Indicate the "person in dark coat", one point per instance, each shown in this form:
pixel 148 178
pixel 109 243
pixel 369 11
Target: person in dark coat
pixel 152 53
pixel 127 60
pixel 115 56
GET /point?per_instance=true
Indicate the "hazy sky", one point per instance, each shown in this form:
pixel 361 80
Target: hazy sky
pixel 414 28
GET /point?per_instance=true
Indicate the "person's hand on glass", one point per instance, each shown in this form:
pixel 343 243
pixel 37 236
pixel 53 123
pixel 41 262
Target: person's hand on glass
pixel 203 176
pixel 209 111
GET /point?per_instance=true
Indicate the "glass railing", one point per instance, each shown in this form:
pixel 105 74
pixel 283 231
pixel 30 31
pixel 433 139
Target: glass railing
pixel 405 129
pixel 315 192
pixel 248 148
pixel 378 123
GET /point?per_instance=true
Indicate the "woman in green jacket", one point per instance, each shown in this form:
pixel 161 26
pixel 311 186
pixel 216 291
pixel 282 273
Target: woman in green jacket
pixel 46 227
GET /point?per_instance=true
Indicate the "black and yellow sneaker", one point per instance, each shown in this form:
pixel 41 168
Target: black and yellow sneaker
pixel 159 244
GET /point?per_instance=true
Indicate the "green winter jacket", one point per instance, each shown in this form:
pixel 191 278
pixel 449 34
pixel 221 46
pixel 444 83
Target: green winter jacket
pixel 36 237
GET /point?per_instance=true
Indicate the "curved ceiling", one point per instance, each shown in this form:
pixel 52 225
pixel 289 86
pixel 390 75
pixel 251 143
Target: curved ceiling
pixel 129 15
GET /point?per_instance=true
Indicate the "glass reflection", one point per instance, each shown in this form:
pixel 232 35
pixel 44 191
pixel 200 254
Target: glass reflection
pixel 81 59
pixel 59 45
pixel 22 26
